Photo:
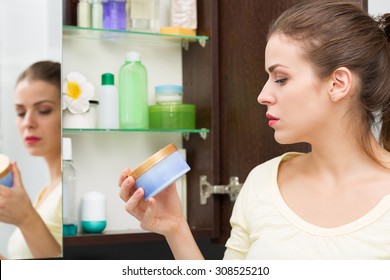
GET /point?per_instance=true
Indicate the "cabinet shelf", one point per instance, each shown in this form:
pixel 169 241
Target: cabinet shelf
pixel 109 35
pixel 117 237
pixel 186 132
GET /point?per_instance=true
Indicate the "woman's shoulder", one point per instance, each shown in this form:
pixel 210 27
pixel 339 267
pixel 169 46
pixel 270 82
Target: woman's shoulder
pixel 274 163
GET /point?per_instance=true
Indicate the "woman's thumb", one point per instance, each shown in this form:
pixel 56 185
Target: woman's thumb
pixel 16 174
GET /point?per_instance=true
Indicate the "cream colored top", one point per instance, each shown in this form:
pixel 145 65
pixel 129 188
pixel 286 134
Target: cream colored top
pixel 264 227
pixel 51 212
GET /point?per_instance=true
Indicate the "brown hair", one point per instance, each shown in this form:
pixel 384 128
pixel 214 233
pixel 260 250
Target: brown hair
pixel 47 71
pixel 335 34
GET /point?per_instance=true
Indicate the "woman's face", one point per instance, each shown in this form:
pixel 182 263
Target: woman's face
pixel 38 110
pixel 296 99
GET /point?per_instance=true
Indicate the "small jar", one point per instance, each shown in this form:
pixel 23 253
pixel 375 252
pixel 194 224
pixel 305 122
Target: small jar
pixel 93 212
pixel 160 170
pixel 6 177
pixel 84 120
pixel 169 94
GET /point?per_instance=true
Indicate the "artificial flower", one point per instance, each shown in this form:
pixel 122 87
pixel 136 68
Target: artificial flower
pixel 77 92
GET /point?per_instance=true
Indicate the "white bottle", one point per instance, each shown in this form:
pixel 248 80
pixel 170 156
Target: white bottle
pixel 84 14
pixel 109 106
pixel 97 14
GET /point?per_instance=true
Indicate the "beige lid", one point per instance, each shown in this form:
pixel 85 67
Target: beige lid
pixel 5 166
pixel 153 160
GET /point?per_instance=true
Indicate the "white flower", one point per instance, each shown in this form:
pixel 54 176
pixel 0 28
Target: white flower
pixel 77 92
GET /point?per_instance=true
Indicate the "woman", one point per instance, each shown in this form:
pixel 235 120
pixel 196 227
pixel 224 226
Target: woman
pixel 38 107
pixel 329 84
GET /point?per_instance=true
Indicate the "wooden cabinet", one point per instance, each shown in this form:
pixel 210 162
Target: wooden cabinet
pixel 224 79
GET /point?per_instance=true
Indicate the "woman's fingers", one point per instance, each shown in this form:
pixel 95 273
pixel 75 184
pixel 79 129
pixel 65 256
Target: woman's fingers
pixel 125 173
pixel 148 221
pixel 127 188
pixel 135 204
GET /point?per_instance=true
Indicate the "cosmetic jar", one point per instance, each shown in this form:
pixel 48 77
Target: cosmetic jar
pixel 6 177
pixel 172 116
pixel 84 120
pixel 160 170
pixel 93 212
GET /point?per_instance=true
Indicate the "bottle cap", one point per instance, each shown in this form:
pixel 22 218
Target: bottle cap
pixel 133 56
pixel 67 148
pixel 107 79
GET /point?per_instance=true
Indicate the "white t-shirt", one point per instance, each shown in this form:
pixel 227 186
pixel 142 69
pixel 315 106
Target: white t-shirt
pixel 264 227
pixel 51 212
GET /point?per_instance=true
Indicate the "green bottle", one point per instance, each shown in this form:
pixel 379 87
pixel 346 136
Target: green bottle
pixel 133 93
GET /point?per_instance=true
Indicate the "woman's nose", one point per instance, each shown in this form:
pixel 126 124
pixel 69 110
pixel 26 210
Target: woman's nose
pixel 29 120
pixel 266 97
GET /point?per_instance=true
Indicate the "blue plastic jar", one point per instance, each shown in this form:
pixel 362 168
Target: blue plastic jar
pixel 6 177
pixel 160 170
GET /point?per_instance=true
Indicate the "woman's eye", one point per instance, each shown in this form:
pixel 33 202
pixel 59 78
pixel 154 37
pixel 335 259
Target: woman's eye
pixel 281 81
pixel 45 112
pixel 20 114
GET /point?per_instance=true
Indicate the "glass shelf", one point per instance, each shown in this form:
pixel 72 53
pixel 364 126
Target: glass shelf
pixel 104 34
pixel 186 132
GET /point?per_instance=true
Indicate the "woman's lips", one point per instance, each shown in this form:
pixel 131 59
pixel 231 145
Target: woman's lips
pixel 272 120
pixel 32 140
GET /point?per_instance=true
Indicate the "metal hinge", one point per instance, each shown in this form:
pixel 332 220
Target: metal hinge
pixel 206 189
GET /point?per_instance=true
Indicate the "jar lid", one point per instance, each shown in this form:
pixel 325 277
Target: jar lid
pixel 5 166
pixel 172 88
pixel 153 160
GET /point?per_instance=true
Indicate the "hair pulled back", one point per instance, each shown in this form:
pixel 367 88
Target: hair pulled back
pixel 334 35
pixel 47 71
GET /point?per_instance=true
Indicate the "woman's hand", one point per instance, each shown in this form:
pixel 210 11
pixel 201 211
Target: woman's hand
pixel 15 205
pixel 161 214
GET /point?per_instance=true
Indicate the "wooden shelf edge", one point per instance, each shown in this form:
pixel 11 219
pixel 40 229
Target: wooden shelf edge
pixel 118 237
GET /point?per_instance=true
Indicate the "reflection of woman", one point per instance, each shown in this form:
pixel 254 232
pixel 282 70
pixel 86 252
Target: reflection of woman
pixel 38 108
pixel 328 66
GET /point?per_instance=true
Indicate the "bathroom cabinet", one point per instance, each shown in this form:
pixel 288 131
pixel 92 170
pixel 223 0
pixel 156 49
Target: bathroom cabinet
pixel 223 78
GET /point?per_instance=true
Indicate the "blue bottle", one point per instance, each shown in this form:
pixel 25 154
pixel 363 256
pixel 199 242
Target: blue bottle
pixel 114 14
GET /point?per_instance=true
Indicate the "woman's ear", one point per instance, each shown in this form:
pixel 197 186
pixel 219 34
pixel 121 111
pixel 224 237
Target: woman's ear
pixel 341 86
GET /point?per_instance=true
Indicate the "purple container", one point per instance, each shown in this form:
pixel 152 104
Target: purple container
pixel 114 14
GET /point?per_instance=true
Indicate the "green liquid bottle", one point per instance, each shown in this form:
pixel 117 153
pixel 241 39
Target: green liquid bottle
pixel 133 93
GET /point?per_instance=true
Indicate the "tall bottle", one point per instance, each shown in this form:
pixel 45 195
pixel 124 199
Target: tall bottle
pixel 114 14
pixel 69 219
pixel 84 14
pixel 133 93
pixel 97 14
pixel 109 106
pixel 144 15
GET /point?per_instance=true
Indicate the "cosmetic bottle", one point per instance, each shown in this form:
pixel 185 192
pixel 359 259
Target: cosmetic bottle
pixel 97 14
pixel 84 14
pixel 68 190
pixel 114 14
pixel 144 15
pixel 109 104
pixel 133 93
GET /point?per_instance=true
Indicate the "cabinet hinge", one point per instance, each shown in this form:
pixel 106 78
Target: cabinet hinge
pixel 206 189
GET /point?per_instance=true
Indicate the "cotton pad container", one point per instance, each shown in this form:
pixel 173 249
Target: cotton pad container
pixel 93 212
pixel 6 177
pixel 159 171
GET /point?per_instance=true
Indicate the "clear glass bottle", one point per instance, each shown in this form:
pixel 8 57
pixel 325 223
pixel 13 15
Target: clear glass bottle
pixel 69 219
pixel 114 14
pixel 144 15
pixel 133 93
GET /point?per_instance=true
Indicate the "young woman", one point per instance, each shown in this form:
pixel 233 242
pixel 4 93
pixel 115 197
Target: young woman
pixel 38 107
pixel 329 85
